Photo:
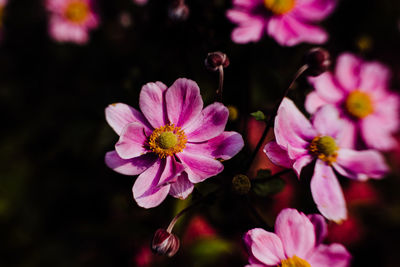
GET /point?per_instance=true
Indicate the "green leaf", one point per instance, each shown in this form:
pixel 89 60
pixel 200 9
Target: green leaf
pixel 263 173
pixel 258 115
pixel 207 250
pixel 268 187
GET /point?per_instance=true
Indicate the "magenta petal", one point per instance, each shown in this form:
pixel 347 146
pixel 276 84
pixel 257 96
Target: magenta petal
pixel 330 255
pixel 376 135
pixel 182 188
pixel 132 141
pixel 314 10
pixel 361 164
pixel 327 88
pixel 374 76
pixel 387 111
pixel 199 167
pixel 347 71
pixel 320 226
pixel 348 135
pixel 183 102
pixel 327 121
pixel 245 3
pixel 152 103
pixel 132 166
pixel 171 171
pixel 296 232
pixel 266 247
pixel 301 162
pixel 119 115
pixel 238 16
pixel 327 193
pixel 248 30
pixel 313 102
pixel 209 124
pixel 277 155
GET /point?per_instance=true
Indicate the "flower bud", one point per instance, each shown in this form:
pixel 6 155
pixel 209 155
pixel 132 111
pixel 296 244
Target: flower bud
pixel 178 11
pixel 241 184
pixel 233 113
pixel 216 59
pixel 318 61
pixel 165 243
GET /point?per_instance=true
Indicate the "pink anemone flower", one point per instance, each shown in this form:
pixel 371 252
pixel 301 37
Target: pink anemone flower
pixel 299 143
pixel 358 90
pixel 289 22
pixel 297 241
pixel 172 144
pixel 71 20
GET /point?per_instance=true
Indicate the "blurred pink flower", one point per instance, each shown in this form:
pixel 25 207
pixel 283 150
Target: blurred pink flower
pixel 348 232
pixel 71 20
pixel 358 90
pixel 297 241
pixel 173 144
pixel 289 22
pixel 299 142
pixel 140 2
pixel 198 228
pixel 144 257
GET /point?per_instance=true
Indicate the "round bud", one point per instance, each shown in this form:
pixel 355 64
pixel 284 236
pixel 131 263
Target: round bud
pixel 165 243
pixel 241 184
pixel 233 113
pixel 318 61
pixel 216 59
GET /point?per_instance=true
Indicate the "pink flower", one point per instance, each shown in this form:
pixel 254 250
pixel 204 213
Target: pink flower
pixel 299 143
pixel 358 90
pixel 289 22
pixel 173 144
pixel 297 241
pixel 71 20
pixel 140 2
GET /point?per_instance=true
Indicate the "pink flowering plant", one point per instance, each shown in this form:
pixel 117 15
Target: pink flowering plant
pixel 289 22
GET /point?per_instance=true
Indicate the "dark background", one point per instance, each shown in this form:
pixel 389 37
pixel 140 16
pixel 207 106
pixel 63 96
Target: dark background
pixel 61 206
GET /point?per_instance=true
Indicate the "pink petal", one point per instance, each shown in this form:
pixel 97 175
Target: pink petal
pixel 348 70
pixel 296 232
pixel 313 102
pixel 327 193
pixel 313 10
pixel 288 31
pixel 348 135
pixel 327 88
pixel 327 121
pixel 301 162
pixel 199 167
pixel 171 171
pixel 183 102
pixel 248 30
pixel 119 115
pixel 320 226
pixel 152 103
pixel 182 188
pixel 387 109
pixel 277 155
pixel 264 246
pixel 373 77
pixel 238 16
pixel 361 164
pixel 292 129
pixel 376 135
pixel 330 255
pixel 132 166
pixel 132 141
pixel 245 3
pixel 209 124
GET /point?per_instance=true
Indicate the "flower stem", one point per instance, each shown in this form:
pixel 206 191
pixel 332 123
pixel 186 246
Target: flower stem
pixel 221 82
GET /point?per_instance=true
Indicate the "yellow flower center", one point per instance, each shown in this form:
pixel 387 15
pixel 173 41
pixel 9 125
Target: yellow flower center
pixel 279 7
pixel 325 148
pixel 167 140
pixel 294 262
pixel 77 11
pixel 359 104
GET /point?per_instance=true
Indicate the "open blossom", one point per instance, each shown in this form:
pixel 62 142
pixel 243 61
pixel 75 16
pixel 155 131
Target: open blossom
pixel 297 241
pixel 71 20
pixel 358 90
pixel 289 22
pixel 299 143
pixel 172 144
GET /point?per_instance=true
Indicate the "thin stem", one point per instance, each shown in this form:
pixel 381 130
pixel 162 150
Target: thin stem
pixel 221 82
pixel 273 114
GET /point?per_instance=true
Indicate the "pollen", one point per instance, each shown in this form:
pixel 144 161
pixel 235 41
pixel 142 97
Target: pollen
pixel 167 140
pixel 77 11
pixel 325 148
pixel 294 262
pixel 359 104
pixel 279 7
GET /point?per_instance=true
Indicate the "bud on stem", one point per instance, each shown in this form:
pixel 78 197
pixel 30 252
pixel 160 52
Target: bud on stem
pixel 165 243
pixel 217 61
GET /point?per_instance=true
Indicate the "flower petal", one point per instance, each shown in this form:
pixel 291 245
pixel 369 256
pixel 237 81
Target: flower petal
pixel 314 10
pixel 266 247
pixel 209 124
pixel 182 188
pixel 320 226
pixel 249 29
pixel 313 102
pixel 119 115
pixel 152 103
pixel 327 193
pixel 183 102
pixel 330 255
pixel 277 155
pixel 376 135
pixel 327 88
pixel 301 162
pixel 132 141
pixel 361 164
pixel 327 121
pixel 132 166
pixel 347 71
pixel 171 171
pixel 296 232
pixel 374 76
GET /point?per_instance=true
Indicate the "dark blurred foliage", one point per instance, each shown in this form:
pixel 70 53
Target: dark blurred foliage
pixel 61 206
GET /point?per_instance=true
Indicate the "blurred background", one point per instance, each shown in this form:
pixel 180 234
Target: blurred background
pixel 61 206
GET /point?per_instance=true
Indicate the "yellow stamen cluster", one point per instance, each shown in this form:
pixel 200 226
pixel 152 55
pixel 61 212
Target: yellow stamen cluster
pixel 359 104
pixel 294 262
pixel 325 148
pixel 167 140
pixel 279 7
pixel 77 11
